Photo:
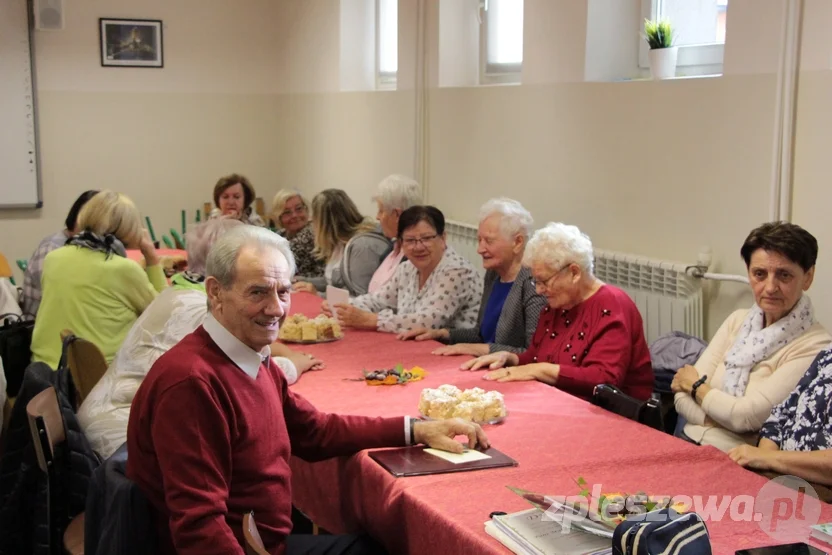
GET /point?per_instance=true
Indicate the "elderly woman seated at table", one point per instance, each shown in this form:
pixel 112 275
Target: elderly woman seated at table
pixel 178 311
pixel 434 288
pixel 757 356
pixel 396 193
pixel 589 333
pixel 290 213
pixel 233 198
pixel 796 439
pixel 510 307
pixel 352 245
pixel 89 287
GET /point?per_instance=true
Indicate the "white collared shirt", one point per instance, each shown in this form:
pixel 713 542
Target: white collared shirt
pixel 247 359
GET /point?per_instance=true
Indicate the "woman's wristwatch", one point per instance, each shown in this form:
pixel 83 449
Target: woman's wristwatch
pixel 696 385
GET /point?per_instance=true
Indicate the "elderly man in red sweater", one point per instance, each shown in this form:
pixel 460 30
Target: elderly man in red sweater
pixel 214 423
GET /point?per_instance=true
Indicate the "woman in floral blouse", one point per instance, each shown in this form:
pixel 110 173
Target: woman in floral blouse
pixel 797 437
pixel 290 213
pixel 434 288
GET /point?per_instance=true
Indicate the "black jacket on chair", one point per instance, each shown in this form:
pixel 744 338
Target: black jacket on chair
pixel 118 519
pixel 23 485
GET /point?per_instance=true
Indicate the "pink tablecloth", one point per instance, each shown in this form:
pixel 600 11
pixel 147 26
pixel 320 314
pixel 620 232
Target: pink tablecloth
pixel 555 437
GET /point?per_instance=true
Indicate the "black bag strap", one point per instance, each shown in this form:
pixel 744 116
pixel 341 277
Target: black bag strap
pixel 68 340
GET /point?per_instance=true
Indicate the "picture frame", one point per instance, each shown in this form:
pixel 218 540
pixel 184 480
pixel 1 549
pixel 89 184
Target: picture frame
pixel 131 42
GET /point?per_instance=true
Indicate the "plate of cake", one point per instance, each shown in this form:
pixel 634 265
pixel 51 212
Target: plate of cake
pixel 300 329
pixel 474 405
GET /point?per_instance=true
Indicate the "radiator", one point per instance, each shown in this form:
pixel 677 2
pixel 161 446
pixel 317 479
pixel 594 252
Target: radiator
pixel 668 298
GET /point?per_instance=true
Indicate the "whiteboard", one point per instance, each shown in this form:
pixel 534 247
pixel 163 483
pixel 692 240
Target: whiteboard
pixel 20 184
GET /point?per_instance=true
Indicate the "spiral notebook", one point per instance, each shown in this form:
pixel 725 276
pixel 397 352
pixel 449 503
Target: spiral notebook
pixel 421 461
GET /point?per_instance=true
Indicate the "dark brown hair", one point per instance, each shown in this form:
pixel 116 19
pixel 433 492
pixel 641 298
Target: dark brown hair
pixel 416 214
pixel 784 238
pixel 231 180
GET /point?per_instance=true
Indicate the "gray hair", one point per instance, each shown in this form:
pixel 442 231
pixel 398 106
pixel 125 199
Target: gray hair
pixel 514 218
pixel 201 238
pixel 398 192
pixel 559 244
pixel 222 259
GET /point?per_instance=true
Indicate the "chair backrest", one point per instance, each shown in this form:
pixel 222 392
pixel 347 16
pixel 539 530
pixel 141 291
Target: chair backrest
pixel 47 426
pixel 254 544
pixel 86 363
pixel 23 264
pixel 614 400
pixel 5 269
pixel 260 207
pixel 206 209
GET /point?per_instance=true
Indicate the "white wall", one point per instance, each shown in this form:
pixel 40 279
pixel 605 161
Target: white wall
pixel 654 168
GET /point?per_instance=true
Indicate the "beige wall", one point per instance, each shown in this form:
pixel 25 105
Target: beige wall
pixel 162 136
pixel 658 169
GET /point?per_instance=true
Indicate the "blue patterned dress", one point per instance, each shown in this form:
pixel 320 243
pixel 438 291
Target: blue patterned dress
pixel 802 421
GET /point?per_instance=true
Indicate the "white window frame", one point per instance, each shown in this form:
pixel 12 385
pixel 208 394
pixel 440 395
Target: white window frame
pixel 492 74
pixel 706 57
pixel 385 81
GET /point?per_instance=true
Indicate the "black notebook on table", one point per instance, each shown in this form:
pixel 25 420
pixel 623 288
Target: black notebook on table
pixel 415 461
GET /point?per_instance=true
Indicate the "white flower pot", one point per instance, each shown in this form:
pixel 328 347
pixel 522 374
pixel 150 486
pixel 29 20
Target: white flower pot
pixel 663 62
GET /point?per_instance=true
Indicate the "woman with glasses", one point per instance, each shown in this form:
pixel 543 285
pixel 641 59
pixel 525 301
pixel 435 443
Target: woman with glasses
pixel 291 216
pixel 510 306
pixel 757 356
pixel 352 245
pixel 434 288
pixel 589 333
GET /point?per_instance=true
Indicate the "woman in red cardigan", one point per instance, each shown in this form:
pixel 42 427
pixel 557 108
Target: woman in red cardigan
pixel 590 333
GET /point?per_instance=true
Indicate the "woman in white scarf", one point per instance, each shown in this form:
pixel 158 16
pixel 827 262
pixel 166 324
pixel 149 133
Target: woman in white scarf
pixel 757 357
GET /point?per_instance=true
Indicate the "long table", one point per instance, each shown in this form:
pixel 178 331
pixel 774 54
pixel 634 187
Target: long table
pixel 555 437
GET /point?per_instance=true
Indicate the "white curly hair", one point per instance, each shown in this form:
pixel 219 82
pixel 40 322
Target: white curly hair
pixel 558 244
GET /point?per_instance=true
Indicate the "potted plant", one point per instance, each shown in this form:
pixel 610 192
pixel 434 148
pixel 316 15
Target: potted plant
pixel 659 36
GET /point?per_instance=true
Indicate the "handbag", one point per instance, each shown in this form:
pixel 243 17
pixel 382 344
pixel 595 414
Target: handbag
pixel 647 412
pixel 15 348
pixel 664 531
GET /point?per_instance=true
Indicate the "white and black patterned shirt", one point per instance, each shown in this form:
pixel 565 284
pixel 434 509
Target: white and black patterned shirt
pixel 450 297
pixel 802 422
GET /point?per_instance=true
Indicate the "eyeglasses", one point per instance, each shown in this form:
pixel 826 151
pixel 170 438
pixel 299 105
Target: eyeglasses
pixel 411 242
pixel 298 211
pixel 545 283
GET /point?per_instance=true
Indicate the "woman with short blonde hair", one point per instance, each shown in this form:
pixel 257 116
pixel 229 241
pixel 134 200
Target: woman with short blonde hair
pixel 90 287
pixel 290 213
pixel 352 245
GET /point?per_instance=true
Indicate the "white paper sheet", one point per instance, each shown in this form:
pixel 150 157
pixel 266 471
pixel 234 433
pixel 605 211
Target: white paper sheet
pixel 467 456
pixel 336 295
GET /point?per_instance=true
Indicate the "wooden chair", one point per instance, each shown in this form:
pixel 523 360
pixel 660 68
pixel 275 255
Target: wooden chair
pixel 254 544
pixel 48 431
pixel 86 364
pixel 206 209
pixel 5 269
pixel 260 207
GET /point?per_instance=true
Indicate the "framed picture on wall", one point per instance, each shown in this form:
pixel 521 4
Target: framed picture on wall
pixel 131 42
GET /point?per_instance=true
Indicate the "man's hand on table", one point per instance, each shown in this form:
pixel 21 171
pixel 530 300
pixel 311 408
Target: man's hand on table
pixel 440 434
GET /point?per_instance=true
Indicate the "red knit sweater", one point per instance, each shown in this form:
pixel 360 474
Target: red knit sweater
pixel 599 341
pixel 207 443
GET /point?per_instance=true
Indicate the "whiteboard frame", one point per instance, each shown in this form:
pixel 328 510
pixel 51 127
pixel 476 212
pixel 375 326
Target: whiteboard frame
pixel 30 15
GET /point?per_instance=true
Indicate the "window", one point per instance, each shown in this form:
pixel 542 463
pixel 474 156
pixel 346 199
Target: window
pixel 700 30
pixel 501 41
pixel 387 43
